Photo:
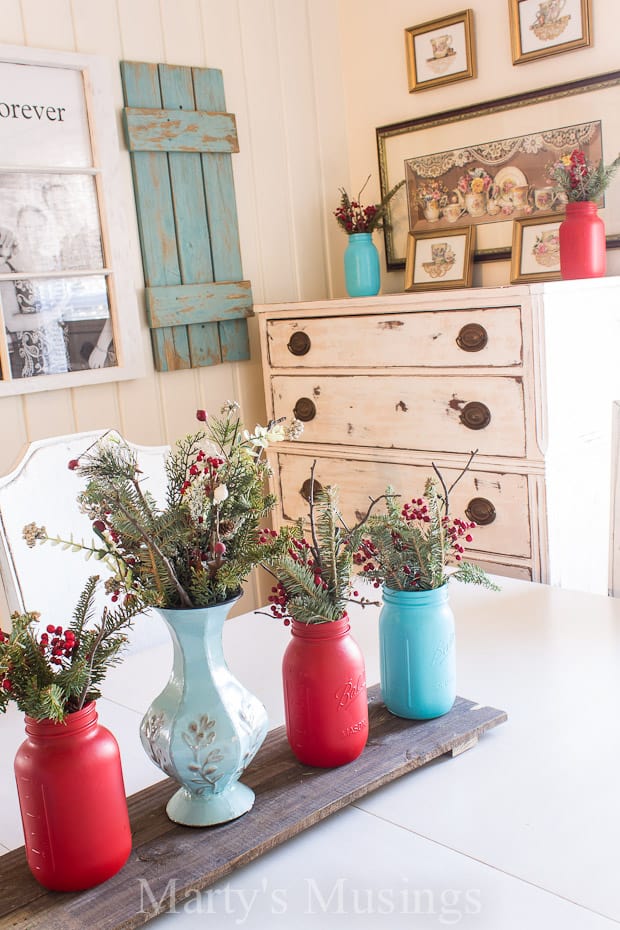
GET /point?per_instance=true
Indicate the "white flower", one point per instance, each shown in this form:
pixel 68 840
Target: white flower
pixel 220 494
pixel 294 429
pixel 230 407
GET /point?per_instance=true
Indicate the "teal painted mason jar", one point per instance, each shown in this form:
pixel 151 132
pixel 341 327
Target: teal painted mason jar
pixel 417 652
pixel 361 266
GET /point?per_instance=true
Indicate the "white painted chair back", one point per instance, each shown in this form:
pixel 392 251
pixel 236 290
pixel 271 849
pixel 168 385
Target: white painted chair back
pixel 614 521
pixel 42 489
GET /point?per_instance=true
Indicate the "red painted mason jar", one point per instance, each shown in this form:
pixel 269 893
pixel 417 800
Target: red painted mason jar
pixel 582 242
pixel 72 801
pixel 325 699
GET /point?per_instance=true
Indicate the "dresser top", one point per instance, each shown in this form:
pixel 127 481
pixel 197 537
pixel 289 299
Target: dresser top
pixel 447 299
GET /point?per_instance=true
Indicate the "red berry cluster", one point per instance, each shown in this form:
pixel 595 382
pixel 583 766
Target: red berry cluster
pixel 266 535
pixel 364 557
pixel 355 218
pixel 417 509
pixel 57 644
pixel 203 465
pixel 278 601
pixel 578 169
pixel 454 531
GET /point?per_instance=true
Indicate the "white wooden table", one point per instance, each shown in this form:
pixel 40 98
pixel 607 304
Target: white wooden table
pixel 523 831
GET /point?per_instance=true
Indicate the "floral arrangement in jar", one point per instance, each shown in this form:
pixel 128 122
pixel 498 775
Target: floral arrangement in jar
pixel 314 575
pixel 578 179
pixel 197 549
pixel 474 181
pixel 418 546
pixel 323 671
pixel 54 670
pixel 354 218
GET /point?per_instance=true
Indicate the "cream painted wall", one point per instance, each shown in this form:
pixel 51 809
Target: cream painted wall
pixel 282 77
pixel 377 92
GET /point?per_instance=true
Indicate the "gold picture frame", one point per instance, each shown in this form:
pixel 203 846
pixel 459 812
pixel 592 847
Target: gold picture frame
pixel 439 259
pixel 536 249
pixel 539 28
pixel 436 56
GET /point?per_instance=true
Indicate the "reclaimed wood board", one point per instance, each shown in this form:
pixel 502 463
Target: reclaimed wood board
pixel 290 797
pixel 180 140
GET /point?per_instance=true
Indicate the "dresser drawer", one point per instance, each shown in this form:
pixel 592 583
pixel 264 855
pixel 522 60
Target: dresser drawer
pixel 426 339
pixel 431 413
pixel 502 499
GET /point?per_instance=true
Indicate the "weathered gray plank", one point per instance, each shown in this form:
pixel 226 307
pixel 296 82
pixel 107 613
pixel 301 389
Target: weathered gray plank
pixel 290 798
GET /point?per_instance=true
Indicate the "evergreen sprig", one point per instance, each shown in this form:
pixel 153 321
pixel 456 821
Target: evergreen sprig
pixel 418 546
pixel 579 179
pixel 198 548
pixel 314 576
pixel 54 671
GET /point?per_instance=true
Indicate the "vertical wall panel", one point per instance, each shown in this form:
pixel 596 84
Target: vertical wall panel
pixel 48 23
pixel 141 30
pixel 301 143
pixel 96 407
pixel 49 414
pixel 12 26
pixel 182 32
pixel 96 28
pixel 266 119
pixel 222 39
pixel 13 432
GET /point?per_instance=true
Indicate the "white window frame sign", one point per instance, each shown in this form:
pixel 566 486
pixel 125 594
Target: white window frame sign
pixel 68 305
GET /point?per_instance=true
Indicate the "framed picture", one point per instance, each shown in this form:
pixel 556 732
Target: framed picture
pixel 535 250
pixel 437 260
pixel 539 28
pixel 491 182
pixel 63 250
pixel 590 101
pixel 440 51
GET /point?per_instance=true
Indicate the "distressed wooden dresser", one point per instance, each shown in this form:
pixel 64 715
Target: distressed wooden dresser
pixel 388 385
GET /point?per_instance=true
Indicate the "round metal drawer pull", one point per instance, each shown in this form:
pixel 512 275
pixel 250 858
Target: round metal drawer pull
pixel 299 344
pixel 475 415
pixel 472 338
pixel 304 410
pixel 481 511
pixel 307 486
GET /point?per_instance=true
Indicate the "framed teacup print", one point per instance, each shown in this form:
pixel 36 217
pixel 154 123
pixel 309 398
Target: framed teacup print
pixel 548 27
pixel 535 249
pixel 438 260
pixel 440 51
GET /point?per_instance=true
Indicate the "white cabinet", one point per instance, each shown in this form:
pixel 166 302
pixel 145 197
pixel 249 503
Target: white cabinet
pixel 388 385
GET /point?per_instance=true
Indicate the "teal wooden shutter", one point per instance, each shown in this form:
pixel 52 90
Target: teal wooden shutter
pixel 181 139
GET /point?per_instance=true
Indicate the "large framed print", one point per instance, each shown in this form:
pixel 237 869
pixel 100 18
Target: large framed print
pixel 590 101
pixel 63 251
pixel 493 181
pixel 539 28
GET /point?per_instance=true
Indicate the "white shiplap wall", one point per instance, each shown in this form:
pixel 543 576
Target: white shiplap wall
pixel 282 77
